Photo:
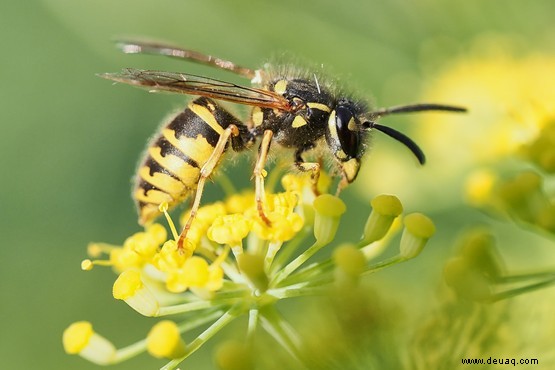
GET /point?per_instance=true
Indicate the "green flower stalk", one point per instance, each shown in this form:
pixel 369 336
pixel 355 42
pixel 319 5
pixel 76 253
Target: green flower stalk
pixel 478 273
pixel 237 265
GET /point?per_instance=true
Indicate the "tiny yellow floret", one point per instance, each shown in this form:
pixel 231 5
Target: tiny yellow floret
pixel 158 233
pixel 127 284
pixel 385 209
pixel 419 225
pixel 349 259
pixel 86 265
pixel 328 214
pixel 77 336
pixel 164 341
pixel 229 229
pixel 418 229
pixel 195 272
pixel 239 203
pixel 387 205
pixel 329 205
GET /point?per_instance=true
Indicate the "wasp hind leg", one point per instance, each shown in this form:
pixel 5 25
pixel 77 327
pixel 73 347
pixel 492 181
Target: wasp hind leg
pixel 205 172
pixel 313 167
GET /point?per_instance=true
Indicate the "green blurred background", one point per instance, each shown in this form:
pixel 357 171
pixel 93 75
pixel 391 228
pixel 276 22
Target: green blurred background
pixel 70 140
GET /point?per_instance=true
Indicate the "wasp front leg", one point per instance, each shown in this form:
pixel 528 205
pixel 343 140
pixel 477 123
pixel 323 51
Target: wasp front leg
pixel 313 167
pixel 259 173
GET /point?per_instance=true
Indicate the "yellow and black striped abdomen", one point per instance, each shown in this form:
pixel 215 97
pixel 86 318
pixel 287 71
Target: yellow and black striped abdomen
pixel 170 167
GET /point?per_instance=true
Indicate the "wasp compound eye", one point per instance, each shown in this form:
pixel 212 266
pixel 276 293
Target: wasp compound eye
pixel 347 131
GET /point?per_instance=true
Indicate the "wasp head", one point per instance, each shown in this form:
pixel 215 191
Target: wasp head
pixel 345 136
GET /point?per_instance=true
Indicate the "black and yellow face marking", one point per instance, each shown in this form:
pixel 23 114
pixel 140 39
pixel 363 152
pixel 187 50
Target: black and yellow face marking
pixel 292 109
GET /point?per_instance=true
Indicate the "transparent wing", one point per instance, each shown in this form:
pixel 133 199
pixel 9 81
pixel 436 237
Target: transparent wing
pixel 137 46
pixel 183 83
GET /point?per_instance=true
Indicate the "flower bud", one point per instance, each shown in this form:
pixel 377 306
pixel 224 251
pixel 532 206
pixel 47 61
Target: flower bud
pixel 418 229
pixel 467 281
pixel 385 208
pixel 129 288
pixel 164 341
pixel 349 259
pixel 328 213
pixel 80 338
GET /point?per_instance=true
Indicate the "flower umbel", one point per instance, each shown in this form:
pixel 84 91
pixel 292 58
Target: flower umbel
pixel 238 265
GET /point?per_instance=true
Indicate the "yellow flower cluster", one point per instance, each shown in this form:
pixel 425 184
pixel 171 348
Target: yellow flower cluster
pixel 510 100
pixel 156 278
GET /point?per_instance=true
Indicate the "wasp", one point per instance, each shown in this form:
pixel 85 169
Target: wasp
pixel 290 108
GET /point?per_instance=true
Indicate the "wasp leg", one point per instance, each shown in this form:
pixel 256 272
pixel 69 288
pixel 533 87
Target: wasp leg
pixel 342 185
pixel 259 174
pixel 313 167
pixel 205 172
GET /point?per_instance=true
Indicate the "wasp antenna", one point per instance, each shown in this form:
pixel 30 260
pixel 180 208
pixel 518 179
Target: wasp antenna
pixel 417 108
pixel 402 138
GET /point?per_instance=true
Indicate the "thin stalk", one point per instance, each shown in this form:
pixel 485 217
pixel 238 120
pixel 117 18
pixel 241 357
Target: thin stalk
pixel 300 291
pixel 139 347
pixel 383 264
pixel 226 184
pixel 218 325
pixel 296 263
pixel 273 248
pixel 199 305
pixel 253 324
pixel 281 331
pixel 522 277
pixel 288 249
pixel 517 291
pixel 129 351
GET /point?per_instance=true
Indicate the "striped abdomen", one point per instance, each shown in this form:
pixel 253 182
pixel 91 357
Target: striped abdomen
pixel 170 168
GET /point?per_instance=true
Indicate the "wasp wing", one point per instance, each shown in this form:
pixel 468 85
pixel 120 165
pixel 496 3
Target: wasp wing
pixel 138 46
pixel 183 83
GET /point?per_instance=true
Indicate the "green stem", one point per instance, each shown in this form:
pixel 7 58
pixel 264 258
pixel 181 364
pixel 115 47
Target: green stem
pixel 383 264
pixel 514 292
pixel 309 273
pixel 139 347
pixel 130 351
pixel 218 301
pixel 522 277
pixel 273 248
pixel 199 321
pixel 274 177
pixel 297 291
pixel 290 247
pixel 226 184
pixel 253 324
pixel 281 331
pixel 225 319
pixel 296 263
